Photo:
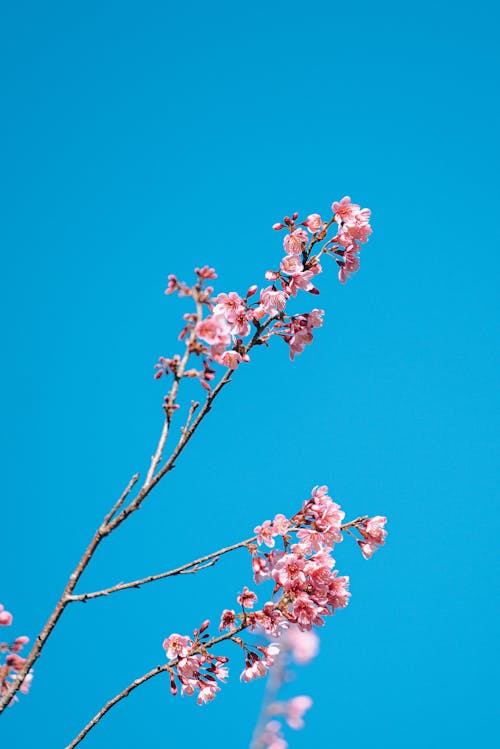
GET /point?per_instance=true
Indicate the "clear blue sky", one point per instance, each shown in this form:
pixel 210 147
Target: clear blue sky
pixel 140 139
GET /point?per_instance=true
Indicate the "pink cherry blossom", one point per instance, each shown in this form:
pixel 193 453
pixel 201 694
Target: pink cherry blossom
pixel 345 210
pixel 295 241
pixel 281 524
pixel 227 620
pixel 374 535
pixel 173 284
pixel 295 709
pixel 247 598
pixel 301 281
pixel 348 265
pixel 265 533
pixel 313 222
pixel 230 359
pixel 240 325
pixel 273 300
pixel 271 737
pixel 270 619
pixel 5 617
pixel 230 305
pixel 177 646
pixel 206 272
pixel 289 571
pixel 291 265
pixel 253 671
pixel 304 646
pixel 306 612
pixel 207 693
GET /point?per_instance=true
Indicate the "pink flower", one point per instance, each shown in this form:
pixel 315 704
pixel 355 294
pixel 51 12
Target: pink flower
pixel 247 598
pixel 240 325
pixel 177 646
pixel 304 645
pixel 301 281
pixel 173 284
pixel 291 265
pixel 215 330
pixel 260 567
pixel 271 737
pixel 289 571
pixel 254 671
pixel 273 301
pixel 295 709
pixel 19 643
pixel 230 359
pixel 345 210
pixel 205 272
pixel 307 613
pixel 6 617
pixel 271 652
pixel 26 684
pixel 375 529
pixel 265 533
pixel 271 620
pixel 294 243
pixel 281 524
pixel 315 318
pixel 374 535
pixel 227 620
pixel 230 305
pixel 348 265
pixel 207 693
pixel 313 222
pixel 338 594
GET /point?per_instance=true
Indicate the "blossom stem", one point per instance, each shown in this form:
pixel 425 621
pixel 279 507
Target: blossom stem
pixel 189 567
pixel 113 520
pixel 143 679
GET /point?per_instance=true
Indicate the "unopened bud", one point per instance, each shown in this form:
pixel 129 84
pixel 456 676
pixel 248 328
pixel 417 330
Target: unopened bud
pixel 271 275
pixel 295 216
pixel 252 290
pixel 278 226
pixel 205 625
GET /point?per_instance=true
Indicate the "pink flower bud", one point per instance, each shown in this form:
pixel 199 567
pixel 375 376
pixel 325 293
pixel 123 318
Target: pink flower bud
pixel 271 275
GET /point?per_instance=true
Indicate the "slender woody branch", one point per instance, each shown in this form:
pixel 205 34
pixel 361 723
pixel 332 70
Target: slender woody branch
pixel 113 520
pixel 189 567
pixel 143 679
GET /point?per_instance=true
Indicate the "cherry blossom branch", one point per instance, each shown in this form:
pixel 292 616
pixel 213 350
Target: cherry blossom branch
pixel 193 566
pixel 230 321
pixel 307 588
pixel 167 667
pixel 189 567
pixel 113 521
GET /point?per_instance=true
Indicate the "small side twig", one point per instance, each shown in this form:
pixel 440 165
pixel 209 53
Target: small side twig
pixel 143 679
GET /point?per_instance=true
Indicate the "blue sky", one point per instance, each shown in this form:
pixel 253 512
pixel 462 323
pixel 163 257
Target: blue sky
pixel 144 139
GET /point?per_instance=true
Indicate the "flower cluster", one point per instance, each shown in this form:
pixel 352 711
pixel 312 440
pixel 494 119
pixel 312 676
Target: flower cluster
pixel 10 660
pixel 196 669
pixel 354 230
pixel 373 533
pixel 234 323
pixel 307 588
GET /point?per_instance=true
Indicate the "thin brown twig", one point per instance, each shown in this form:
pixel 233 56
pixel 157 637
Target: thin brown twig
pixel 113 521
pixel 143 679
pixel 152 578
pixel 198 564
